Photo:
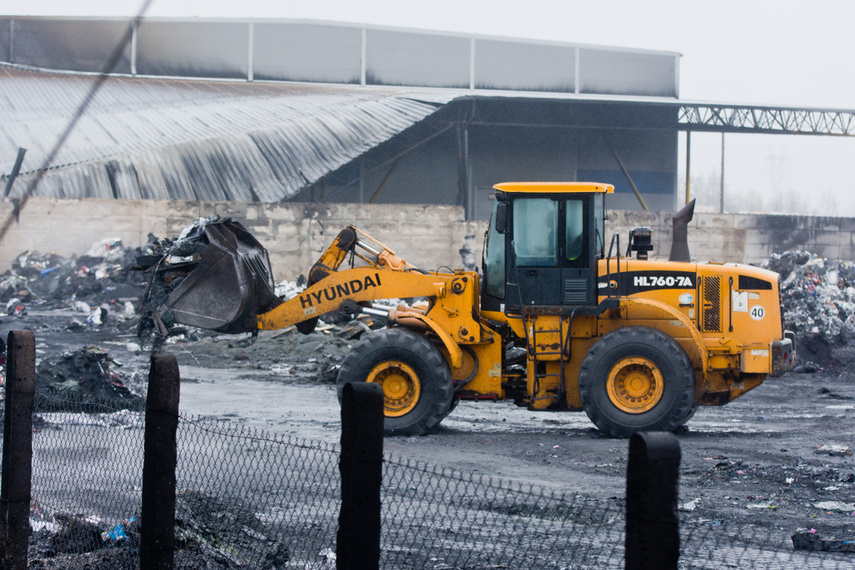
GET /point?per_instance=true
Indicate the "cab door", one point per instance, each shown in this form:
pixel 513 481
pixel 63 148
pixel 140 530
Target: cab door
pixel 535 261
pixel 551 250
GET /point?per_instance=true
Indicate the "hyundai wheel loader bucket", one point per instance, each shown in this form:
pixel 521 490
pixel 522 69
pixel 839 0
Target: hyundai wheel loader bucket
pixel 230 285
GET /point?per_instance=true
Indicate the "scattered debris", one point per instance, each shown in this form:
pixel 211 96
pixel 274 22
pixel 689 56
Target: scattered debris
pixel 225 532
pixel 210 533
pixel 118 533
pixel 834 450
pixel 811 540
pixel 76 541
pixel 689 506
pixel 99 286
pixel 835 507
pixel 772 506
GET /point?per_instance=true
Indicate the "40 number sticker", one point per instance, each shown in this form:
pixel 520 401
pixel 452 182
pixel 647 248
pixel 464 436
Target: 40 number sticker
pixel 757 312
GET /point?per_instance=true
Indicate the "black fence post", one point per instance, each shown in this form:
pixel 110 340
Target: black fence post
pixel 361 466
pixel 17 467
pixel 157 535
pixel 652 523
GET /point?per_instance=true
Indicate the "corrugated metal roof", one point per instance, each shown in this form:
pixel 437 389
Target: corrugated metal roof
pixel 195 140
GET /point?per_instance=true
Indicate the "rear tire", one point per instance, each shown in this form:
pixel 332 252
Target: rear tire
pixel 637 379
pixel 417 383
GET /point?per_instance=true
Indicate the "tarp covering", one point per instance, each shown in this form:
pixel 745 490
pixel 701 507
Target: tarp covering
pixel 145 138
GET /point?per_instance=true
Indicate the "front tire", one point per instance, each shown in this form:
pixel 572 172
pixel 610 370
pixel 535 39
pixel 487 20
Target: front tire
pixel 417 383
pixel 637 379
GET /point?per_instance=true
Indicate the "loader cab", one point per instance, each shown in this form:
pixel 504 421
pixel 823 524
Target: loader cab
pixel 542 246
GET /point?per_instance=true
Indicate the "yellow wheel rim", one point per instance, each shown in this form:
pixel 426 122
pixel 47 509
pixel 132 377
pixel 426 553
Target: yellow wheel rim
pixel 401 386
pixel 634 385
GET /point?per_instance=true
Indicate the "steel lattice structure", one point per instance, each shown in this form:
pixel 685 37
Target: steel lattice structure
pixel 771 120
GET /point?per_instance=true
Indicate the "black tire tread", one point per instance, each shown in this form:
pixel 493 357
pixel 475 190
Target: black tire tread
pixel 591 381
pixel 437 382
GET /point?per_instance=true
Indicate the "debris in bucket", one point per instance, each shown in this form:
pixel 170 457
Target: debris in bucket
pixel 202 279
pixel 215 276
pixel 83 381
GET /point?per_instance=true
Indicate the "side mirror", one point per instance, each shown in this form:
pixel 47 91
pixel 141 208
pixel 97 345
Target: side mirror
pixel 501 216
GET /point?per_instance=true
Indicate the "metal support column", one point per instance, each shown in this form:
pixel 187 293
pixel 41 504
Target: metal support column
pixel 688 166
pixel 721 197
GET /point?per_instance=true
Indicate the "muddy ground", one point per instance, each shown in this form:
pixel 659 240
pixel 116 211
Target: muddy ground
pixel 773 455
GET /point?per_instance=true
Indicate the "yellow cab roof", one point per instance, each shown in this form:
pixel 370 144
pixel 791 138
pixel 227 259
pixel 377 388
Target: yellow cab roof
pixel 557 187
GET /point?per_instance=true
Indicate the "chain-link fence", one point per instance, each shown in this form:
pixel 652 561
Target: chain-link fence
pixel 247 498
pixel 438 518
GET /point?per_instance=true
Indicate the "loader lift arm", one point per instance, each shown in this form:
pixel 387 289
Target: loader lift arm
pixel 448 314
pixel 357 244
pixel 348 240
pixel 229 288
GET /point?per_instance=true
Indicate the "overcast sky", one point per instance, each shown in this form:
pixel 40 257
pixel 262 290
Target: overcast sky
pixel 763 52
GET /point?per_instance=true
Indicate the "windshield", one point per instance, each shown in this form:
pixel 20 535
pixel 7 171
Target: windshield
pixel 494 260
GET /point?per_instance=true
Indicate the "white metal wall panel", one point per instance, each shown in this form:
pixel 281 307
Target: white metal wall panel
pixel 193 49
pixel 305 52
pixel 524 66
pixel 627 73
pixel 6 39
pixel 74 45
pixel 406 58
pixel 335 53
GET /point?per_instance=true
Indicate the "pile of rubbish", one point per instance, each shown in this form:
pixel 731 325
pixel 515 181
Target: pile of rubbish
pixel 210 532
pixel 98 285
pixel 82 381
pixel 225 533
pixel 69 541
pixel 818 296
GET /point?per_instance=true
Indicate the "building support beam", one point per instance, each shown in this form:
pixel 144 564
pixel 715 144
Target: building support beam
pixel 626 174
pixel 688 166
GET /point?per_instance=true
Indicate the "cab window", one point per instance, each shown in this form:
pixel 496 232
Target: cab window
pixel 535 222
pixel 494 261
pixel 575 229
pixel 600 221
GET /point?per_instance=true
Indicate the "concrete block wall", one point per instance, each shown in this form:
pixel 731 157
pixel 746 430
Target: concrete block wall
pixel 743 238
pixel 294 234
pixel 430 237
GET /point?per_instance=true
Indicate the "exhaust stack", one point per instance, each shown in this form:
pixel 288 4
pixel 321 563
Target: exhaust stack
pixel 680 233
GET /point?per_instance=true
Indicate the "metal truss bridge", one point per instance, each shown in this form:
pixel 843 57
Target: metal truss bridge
pixel 769 120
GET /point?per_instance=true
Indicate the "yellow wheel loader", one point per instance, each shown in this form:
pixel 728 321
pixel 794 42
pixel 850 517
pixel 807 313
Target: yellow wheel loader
pixel 557 319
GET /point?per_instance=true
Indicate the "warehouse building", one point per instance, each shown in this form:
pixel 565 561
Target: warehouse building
pixel 277 111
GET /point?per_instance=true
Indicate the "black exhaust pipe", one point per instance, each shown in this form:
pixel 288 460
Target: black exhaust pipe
pixel 680 233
